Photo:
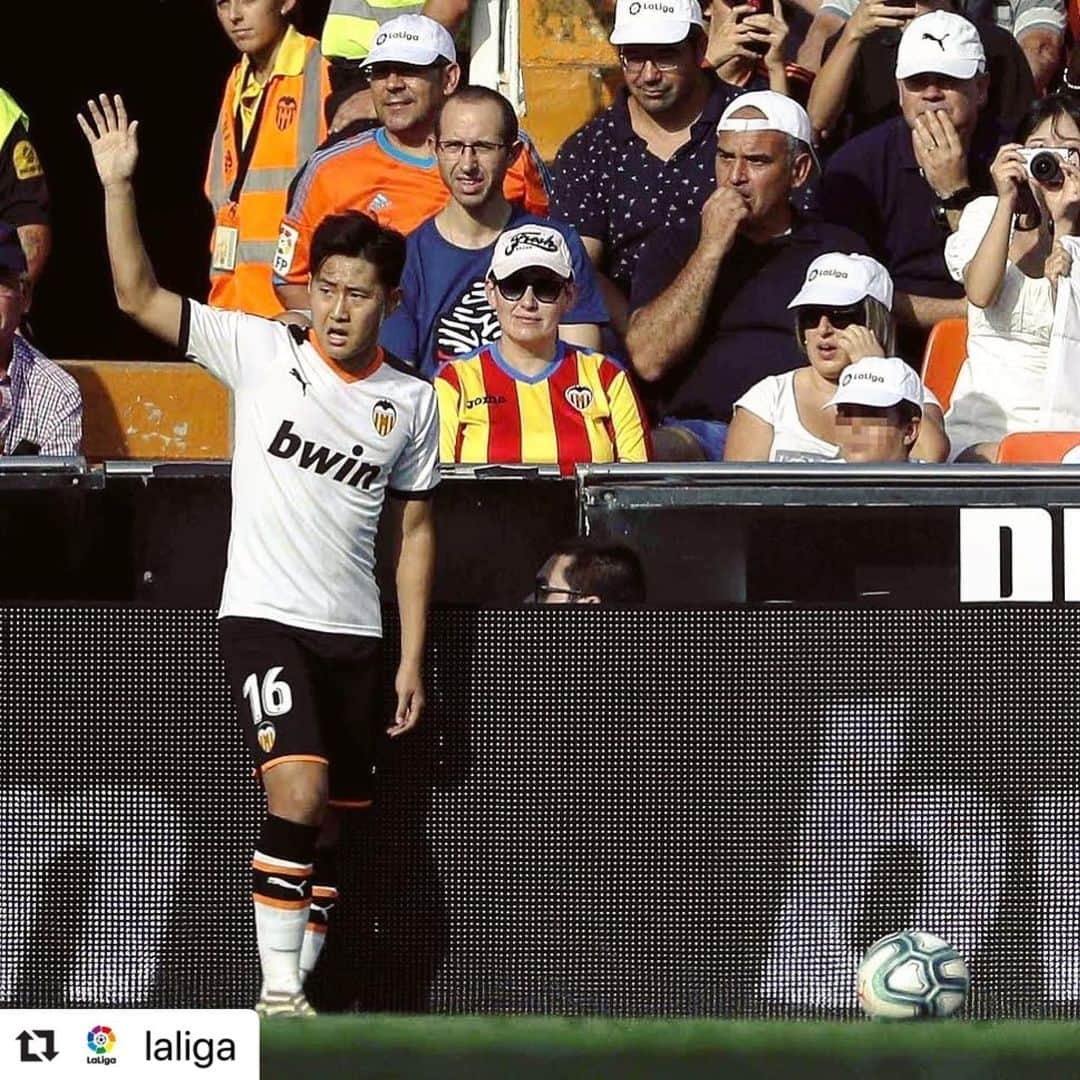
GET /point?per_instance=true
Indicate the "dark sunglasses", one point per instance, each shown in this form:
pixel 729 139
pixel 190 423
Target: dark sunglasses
pixel 839 317
pixel 546 289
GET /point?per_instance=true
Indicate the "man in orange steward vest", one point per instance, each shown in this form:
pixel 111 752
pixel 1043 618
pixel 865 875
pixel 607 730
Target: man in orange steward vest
pixel 529 397
pixel 271 121
pixel 390 173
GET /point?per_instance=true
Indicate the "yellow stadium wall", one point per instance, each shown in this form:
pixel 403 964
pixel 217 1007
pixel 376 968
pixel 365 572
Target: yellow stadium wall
pixel 569 69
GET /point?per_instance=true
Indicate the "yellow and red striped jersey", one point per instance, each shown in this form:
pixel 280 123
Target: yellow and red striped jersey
pixel 581 408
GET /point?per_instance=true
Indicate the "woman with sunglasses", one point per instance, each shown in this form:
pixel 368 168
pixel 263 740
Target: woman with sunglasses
pixel 1006 251
pixel 529 398
pixel 842 314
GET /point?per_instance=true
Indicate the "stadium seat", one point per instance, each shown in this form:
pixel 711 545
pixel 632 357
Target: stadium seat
pixel 1037 447
pixel 946 350
pixel 151 411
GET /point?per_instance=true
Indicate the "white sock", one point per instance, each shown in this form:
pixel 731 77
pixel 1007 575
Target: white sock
pixel 323 899
pixel 281 915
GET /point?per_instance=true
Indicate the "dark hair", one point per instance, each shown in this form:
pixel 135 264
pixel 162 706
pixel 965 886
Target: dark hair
pixel 358 236
pixel 477 95
pixel 907 411
pixel 611 571
pixel 1042 109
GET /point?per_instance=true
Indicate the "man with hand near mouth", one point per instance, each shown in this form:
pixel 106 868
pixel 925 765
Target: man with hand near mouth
pixel 709 314
pixel 390 173
pixel 444 310
pixel 903 184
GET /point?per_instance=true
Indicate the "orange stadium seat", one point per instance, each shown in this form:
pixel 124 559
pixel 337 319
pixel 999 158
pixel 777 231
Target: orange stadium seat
pixel 1037 447
pixel 946 350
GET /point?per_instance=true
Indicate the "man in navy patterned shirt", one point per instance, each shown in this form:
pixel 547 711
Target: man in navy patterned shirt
pixel 646 163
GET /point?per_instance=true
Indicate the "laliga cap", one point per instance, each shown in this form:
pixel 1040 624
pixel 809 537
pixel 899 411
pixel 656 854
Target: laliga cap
pixel 531 247
pixel 940 42
pixel 411 39
pixel 655 22
pixel 836 280
pixel 879 381
pixel 779 113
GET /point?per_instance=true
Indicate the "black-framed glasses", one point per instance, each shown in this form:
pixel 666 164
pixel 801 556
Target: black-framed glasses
pixel 809 316
pixel 542 591
pixel 454 148
pixel 546 289
pixel 634 60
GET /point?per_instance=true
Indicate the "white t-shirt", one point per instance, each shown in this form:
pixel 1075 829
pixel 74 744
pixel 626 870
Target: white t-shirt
pixel 313 459
pixel 773 400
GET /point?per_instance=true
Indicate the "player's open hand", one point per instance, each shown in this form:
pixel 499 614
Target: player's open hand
pixel 112 139
pixel 409 687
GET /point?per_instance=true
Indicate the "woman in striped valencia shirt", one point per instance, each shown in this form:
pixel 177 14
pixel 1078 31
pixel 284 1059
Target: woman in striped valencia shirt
pixel 530 398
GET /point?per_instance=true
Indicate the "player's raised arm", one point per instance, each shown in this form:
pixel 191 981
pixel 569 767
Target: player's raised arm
pixel 114 142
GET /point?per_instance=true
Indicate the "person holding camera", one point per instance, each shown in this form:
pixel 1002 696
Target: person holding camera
pixel 1007 252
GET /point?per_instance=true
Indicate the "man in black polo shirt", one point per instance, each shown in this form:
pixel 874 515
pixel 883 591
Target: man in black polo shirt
pixel 856 86
pixel 709 299
pixel 903 184
pixel 646 162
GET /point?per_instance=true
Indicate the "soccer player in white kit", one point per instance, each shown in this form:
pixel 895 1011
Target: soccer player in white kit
pixel 326 425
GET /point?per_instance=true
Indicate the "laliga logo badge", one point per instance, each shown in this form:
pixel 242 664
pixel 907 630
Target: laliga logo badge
pixel 845 378
pixel 384 417
pixel 380 39
pixel 267 737
pixel 580 397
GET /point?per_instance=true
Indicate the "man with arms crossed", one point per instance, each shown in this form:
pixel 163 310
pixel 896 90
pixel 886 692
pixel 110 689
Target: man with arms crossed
pixel 326 427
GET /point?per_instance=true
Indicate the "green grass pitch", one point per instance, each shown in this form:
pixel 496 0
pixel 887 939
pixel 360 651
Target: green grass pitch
pixel 550 1048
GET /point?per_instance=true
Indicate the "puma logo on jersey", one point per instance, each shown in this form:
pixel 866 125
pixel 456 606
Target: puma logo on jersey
pixel 304 384
pixel 287 445
pixel 283 884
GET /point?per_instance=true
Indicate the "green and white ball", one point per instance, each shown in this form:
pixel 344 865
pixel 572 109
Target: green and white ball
pixel 912 975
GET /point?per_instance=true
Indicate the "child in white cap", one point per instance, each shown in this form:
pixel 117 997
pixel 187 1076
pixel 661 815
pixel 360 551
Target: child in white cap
pixel 879 408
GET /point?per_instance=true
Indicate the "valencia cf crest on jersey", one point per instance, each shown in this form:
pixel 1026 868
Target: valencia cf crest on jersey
pixel 286 113
pixel 384 417
pixel 579 396
pixel 267 736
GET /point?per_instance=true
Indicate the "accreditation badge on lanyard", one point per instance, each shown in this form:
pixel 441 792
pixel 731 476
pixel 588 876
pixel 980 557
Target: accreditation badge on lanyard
pixel 226 239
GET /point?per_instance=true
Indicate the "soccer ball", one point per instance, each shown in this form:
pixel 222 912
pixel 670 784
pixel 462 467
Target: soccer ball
pixel 911 975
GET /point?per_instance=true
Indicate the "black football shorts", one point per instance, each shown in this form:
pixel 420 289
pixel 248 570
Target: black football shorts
pixel 304 695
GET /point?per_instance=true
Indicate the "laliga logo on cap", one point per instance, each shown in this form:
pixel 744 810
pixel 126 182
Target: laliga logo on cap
pixel 525 239
pixel 827 273
pixel 397 35
pixel 664 9
pixel 861 376
pixel 380 39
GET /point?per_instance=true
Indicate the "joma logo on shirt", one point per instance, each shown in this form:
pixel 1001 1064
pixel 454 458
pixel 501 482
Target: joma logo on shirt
pixel 488 399
pixel 286 444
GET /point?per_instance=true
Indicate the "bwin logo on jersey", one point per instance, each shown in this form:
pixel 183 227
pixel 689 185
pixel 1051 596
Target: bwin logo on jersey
pixel 286 444
pixel 579 396
pixel 384 417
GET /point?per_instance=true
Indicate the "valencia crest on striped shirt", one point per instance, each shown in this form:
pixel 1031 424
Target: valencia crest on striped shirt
pixel 579 396
pixel 384 416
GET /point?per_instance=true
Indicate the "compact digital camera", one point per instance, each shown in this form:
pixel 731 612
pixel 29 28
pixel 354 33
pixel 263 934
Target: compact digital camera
pixel 1043 163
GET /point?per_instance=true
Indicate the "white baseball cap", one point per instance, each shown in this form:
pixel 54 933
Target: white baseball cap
pixel 836 280
pixel 411 39
pixel 779 113
pixel 880 381
pixel 528 247
pixel 655 22
pixel 942 42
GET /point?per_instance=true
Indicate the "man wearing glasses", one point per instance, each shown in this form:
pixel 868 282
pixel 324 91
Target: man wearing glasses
pixel 389 173
pixel 529 397
pixel 646 163
pixel 444 311
pixel 585 570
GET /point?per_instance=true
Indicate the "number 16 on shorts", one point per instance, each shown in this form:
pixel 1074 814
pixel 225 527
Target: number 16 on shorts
pixel 267 697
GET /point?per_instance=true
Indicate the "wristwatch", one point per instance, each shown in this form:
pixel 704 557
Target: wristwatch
pixel 956 201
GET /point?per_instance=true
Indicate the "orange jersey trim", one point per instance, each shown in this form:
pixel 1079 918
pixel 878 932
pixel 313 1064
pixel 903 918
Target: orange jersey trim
pixel 283 905
pixel 350 804
pixel 294 757
pixel 284 871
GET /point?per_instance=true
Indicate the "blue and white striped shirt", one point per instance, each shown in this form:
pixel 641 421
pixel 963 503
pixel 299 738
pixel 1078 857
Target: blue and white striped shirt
pixel 46 405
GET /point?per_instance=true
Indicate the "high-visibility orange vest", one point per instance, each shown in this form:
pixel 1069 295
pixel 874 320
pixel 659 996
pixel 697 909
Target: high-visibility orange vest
pixel 248 187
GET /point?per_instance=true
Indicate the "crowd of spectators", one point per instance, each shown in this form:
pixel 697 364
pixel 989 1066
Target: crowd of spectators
pixel 779 205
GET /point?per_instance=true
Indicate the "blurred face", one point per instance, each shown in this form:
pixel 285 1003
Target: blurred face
pixel 962 99
pixel 406 97
pixel 472 156
pixel 525 318
pixel 867 433
pixel 348 304
pixel 758 165
pixel 254 26
pixel 659 77
pixel 818 326
pixel 14 297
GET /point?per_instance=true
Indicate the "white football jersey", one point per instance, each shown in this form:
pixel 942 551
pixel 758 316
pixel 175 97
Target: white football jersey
pixel 313 458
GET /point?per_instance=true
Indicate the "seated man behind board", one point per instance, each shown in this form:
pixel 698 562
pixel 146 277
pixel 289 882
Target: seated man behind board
pixel 40 403
pixel 585 570
pixel 529 397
